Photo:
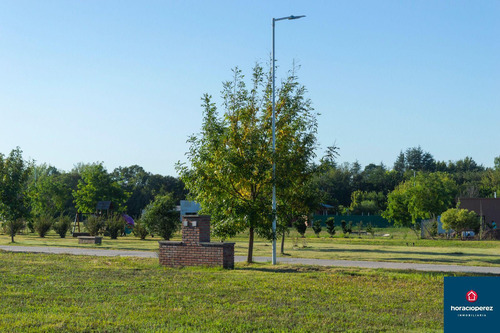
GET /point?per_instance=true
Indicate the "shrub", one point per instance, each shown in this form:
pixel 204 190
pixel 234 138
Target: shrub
pixel 115 225
pixel 140 229
pixel 346 227
pixel 161 218
pixel 370 230
pixel 360 227
pixel 343 224
pixel 43 224
pixel 13 227
pixel 62 225
pixel 460 220
pixel 94 225
pixel 330 226
pixel 349 227
pixel 317 227
pixel 300 225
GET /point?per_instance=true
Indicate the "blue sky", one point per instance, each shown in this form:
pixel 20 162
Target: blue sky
pixel 121 81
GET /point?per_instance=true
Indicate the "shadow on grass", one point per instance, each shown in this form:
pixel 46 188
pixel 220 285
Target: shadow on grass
pixel 314 249
pixel 350 271
pixel 267 267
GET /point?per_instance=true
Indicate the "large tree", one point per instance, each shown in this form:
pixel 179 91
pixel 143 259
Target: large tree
pixel 425 196
pixel 144 187
pixel 14 174
pixel 414 159
pixel 230 161
pixel 97 185
pixel 49 193
pixel 14 202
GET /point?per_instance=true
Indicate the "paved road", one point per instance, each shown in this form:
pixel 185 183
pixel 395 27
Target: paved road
pixel 319 262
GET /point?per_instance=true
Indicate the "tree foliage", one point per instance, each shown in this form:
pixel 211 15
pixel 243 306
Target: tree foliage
pixel 143 186
pixel 97 185
pixel 50 191
pixel 425 196
pixel 230 172
pixel 14 173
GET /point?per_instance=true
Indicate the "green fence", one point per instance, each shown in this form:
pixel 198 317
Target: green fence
pixel 376 221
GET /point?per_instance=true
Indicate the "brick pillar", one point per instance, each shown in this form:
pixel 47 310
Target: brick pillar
pixel 195 229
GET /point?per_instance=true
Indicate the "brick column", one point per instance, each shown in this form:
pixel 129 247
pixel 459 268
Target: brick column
pixel 195 229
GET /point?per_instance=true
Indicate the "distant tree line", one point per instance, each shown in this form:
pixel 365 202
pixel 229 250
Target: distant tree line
pixel 28 190
pixel 356 190
pixel 417 186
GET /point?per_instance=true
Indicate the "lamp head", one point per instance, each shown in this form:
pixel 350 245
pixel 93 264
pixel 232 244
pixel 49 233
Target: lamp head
pixel 291 17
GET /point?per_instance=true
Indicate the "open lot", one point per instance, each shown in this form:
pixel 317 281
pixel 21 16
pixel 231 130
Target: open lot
pixel 42 292
pixel 401 246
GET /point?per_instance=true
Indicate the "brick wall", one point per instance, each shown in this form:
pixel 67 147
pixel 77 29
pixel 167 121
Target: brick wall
pixel 195 248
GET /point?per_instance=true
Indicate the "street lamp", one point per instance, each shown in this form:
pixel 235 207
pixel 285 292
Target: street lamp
pixel 274 140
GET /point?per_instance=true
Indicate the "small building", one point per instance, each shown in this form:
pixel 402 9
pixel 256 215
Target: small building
pixel 324 209
pixel 488 208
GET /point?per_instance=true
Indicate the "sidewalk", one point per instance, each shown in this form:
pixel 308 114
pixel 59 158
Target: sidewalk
pixel 285 260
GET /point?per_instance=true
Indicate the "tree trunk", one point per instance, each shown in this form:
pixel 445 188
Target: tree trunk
pixel 250 246
pixel 283 244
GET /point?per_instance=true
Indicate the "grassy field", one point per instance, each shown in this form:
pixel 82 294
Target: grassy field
pixel 41 293
pixel 401 246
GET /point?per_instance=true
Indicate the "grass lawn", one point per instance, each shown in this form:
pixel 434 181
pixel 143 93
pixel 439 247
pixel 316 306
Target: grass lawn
pixel 41 293
pixel 401 246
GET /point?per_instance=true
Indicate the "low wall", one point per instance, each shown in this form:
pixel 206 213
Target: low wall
pixel 196 248
pixel 179 254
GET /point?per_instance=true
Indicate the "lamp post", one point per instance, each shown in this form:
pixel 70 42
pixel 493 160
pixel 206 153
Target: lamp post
pixel 274 139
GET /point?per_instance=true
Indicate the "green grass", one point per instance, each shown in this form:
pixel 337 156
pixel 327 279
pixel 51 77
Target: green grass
pixel 401 246
pixel 41 293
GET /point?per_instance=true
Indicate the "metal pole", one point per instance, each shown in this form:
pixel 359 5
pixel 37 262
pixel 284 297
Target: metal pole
pixel 274 138
pixel 274 159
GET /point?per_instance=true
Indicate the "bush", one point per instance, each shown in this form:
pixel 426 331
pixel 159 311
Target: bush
pixel 346 227
pixel 94 225
pixel 115 225
pixel 370 230
pixel 317 227
pixel 62 225
pixel 360 227
pixel 140 230
pixel 43 224
pixel 460 220
pixel 300 225
pixel 161 217
pixel 330 226
pixel 13 227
